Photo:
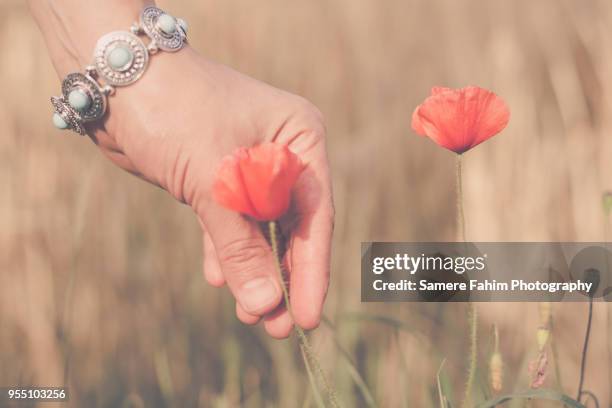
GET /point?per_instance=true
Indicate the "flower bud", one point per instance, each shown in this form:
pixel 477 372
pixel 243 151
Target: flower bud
pixel 496 369
pixel 542 336
pixel 539 370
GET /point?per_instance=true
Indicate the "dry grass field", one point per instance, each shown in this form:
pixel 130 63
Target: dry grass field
pixel 101 282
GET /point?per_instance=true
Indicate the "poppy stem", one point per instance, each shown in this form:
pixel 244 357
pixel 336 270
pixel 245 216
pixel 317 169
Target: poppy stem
pixel 585 348
pixel 472 312
pixel 311 359
pixel 473 357
pixel 460 213
pixel 608 307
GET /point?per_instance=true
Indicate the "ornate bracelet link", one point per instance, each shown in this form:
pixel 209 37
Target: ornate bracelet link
pixel 120 59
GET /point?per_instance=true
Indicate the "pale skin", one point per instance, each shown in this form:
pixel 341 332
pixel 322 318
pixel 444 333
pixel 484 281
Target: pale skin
pixel 173 127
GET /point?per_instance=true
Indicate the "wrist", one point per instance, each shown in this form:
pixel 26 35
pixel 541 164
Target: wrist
pixel 72 27
pixel 121 58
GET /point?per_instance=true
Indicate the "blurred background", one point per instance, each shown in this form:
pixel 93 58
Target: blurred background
pixel 101 284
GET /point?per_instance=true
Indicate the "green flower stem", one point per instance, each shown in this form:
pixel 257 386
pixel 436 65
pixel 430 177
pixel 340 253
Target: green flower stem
pixel 607 211
pixel 472 312
pixel 460 213
pixel 585 349
pixel 473 357
pixel 311 359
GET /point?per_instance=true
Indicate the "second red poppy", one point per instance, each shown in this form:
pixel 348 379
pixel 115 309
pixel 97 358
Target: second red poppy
pixel 460 119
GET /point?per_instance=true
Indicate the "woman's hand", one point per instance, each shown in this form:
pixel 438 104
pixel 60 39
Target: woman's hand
pixel 173 127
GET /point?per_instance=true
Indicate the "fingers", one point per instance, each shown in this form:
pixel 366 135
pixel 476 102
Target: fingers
pixel 121 160
pixel 212 268
pixel 214 275
pixel 309 254
pixel 278 324
pixel 246 260
pixel 245 317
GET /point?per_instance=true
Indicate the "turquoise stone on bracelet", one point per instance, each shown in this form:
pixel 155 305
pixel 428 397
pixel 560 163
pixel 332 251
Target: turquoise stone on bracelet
pixel 183 25
pixel 166 23
pixel 79 100
pixel 59 122
pixel 120 58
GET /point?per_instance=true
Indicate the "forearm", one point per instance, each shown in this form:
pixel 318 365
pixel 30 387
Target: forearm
pixel 72 27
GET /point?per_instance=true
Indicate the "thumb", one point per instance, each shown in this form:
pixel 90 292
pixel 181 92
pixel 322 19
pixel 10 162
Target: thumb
pixel 246 260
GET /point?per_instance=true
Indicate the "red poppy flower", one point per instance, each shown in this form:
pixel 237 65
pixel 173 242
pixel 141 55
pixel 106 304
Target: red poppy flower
pixel 459 119
pixel 257 181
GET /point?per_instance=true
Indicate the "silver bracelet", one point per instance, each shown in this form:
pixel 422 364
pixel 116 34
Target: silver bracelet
pixel 120 59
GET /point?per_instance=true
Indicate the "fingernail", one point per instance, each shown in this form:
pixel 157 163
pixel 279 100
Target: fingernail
pixel 258 295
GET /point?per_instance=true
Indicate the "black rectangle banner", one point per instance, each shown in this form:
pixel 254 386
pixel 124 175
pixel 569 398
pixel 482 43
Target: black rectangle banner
pixel 486 272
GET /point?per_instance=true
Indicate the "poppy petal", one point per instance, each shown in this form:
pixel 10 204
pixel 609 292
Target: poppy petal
pixel 229 188
pixel 417 126
pixel 461 119
pixel 494 116
pixel 258 181
pixel 436 90
pixel 270 173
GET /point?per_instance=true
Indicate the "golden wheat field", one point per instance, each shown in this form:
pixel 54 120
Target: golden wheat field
pixel 101 284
